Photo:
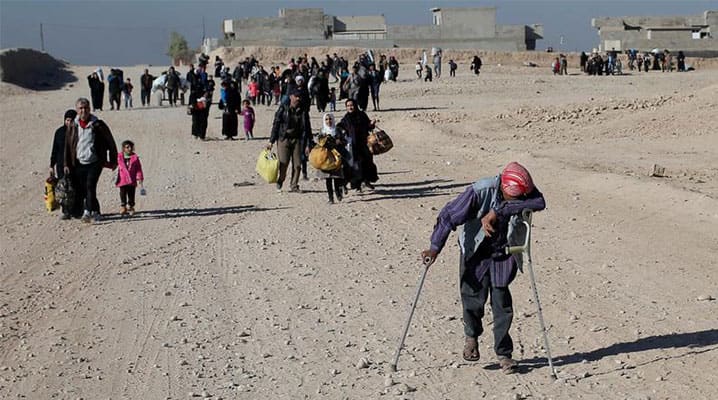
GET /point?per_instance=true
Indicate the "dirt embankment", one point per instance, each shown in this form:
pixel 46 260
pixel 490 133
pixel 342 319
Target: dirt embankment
pixel 282 55
pixel 32 69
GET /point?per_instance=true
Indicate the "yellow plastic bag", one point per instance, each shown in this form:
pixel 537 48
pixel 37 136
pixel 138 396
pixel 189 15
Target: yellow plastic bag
pixel 50 202
pixel 268 166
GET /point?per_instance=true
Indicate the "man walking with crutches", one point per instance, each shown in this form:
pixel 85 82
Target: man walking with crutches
pixel 490 212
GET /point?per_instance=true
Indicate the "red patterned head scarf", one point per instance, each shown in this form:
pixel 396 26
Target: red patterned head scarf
pixel 516 180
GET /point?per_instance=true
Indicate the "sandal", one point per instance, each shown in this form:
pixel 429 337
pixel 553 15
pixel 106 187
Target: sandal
pixel 508 365
pixel 471 349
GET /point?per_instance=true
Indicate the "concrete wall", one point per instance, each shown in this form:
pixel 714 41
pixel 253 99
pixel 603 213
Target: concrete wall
pixel 362 23
pixel 463 28
pixel 460 23
pixel 297 24
pixel 656 32
pixel 411 32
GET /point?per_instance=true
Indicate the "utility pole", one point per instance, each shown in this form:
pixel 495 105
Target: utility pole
pixel 42 39
pixel 203 31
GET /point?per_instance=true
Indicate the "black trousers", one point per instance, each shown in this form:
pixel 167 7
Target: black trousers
pixel 145 95
pixel 199 123
pixel 173 93
pixel 474 294
pixel 85 178
pixel 127 195
pixel 335 185
pixel 115 99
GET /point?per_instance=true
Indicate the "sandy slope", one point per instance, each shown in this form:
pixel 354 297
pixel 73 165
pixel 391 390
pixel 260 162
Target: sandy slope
pixel 223 291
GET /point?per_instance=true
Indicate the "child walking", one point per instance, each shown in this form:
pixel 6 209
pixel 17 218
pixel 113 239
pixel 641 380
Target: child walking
pixel 129 174
pixel 332 99
pixel 248 113
pixel 334 140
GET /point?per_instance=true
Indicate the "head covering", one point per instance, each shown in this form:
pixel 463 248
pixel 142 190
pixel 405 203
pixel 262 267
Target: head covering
pixel 516 180
pixel 299 78
pixel 331 128
pixel 70 114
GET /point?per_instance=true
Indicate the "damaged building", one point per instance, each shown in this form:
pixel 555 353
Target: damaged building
pixel 695 34
pixel 459 28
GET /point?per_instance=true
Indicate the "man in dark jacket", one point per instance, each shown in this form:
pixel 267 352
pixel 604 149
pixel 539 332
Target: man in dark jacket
pixel 114 84
pixel 57 155
pixel 172 83
pixel 89 146
pixel 146 87
pixel 292 131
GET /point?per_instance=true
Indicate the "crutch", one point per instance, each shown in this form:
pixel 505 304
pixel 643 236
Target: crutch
pixel 526 250
pixel 427 263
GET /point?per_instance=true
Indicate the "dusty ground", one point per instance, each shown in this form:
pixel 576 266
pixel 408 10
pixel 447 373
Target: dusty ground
pixel 233 291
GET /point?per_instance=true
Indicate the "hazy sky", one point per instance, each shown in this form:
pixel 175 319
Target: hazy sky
pixel 129 32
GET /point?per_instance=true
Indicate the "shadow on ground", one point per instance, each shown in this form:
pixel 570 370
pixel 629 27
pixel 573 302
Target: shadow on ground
pixel 412 190
pixel 411 109
pixel 695 341
pixel 184 212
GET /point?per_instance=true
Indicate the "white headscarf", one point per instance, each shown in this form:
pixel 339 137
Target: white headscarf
pixel 331 127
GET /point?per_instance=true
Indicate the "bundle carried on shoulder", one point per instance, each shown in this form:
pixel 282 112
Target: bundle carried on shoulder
pixel 268 166
pixel 379 142
pixel 324 157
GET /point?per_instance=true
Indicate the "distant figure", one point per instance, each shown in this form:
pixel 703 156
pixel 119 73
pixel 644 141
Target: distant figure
pixel 681 59
pixel 97 91
pixel 556 66
pixel 476 65
pixel 452 68
pixel 564 64
pixel 248 124
pixel 332 99
pixel 127 91
pixel 146 87
pixel 375 80
pixel 394 68
pixel 437 64
pixel 583 60
pixel 418 69
pixel 218 64
pixel 114 83
pixel 172 83
pixel 427 73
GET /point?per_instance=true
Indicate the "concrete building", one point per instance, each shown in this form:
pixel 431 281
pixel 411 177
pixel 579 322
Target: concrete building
pixel 460 28
pixel 696 35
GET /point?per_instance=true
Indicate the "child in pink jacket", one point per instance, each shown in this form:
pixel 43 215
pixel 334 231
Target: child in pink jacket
pixel 129 174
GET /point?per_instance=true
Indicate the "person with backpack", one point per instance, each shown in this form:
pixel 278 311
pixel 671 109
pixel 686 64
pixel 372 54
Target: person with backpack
pixel 489 211
pixel 57 155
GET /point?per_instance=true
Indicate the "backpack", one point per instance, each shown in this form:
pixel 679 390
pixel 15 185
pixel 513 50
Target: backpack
pixel 65 193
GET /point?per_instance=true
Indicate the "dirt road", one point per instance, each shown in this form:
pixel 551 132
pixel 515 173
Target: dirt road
pixel 222 288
